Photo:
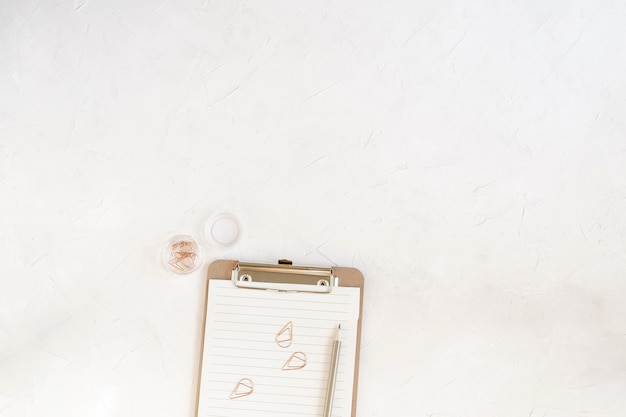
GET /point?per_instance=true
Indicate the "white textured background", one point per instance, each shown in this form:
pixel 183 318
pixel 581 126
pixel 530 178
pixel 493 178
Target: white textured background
pixel 468 157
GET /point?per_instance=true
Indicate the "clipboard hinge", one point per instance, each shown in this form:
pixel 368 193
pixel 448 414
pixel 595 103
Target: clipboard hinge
pixel 283 277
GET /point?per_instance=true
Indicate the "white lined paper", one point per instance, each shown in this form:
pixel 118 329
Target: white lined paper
pixel 240 331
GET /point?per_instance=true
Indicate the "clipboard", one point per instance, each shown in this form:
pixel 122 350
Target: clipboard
pixel 267 340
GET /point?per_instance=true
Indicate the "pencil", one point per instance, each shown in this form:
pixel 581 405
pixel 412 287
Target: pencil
pixel 332 373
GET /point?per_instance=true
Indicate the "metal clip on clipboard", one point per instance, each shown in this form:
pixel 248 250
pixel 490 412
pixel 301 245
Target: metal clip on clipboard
pixel 283 277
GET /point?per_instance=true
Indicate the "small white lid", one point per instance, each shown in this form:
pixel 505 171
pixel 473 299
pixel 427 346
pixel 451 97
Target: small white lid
pixel 223 230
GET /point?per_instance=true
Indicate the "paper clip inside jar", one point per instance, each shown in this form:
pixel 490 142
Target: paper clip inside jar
pixel 182 254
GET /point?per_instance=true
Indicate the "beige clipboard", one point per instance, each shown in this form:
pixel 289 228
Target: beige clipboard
pixel 341 276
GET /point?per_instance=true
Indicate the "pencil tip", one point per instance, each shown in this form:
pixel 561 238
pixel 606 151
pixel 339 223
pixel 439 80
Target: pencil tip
pixel 339 326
